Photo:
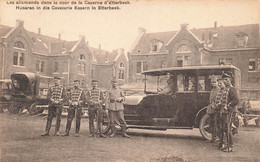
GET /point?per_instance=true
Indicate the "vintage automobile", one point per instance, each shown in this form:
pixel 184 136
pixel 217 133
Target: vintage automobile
pixel 29 91
pixel 183 105
pixel 5 94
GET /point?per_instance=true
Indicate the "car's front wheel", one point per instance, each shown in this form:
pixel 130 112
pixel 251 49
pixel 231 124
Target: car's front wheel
pixel 204 127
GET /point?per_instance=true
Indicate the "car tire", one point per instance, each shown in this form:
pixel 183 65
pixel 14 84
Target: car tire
pixel 13 109
pixel 33 110
pixel 204 127
pixel 105 124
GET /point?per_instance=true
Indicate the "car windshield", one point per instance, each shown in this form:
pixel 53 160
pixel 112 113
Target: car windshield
pixel 155 84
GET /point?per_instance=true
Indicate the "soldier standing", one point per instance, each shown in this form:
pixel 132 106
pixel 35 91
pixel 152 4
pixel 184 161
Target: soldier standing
pixel 210 111
pixel 95 99
pixel 114 99
pixel 56 96
pixel 229 112
pixel 76 101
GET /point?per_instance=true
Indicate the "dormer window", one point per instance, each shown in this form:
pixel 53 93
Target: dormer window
pixel 241 38
pixel 154 47
pixel 19 54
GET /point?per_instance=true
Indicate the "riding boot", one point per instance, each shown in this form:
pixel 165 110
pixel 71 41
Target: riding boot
pixel 68 126
pixel 100 131
pixel 113 129
pixel 124 132
pixel 57 128
pixel 77 128
pixel 47 129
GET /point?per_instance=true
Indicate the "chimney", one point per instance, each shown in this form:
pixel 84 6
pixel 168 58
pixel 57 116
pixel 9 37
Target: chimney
pixel 185 26
pixel 81 37
pixel 39 31
pixel 141 30
pixel 87 43
pixel 121 50
pixel 59 36
pixel 215 24
pixel 99 46
pixel 19 23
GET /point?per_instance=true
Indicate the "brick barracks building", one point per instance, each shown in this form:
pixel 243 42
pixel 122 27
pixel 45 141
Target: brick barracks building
pixel 25 51
pixel 236 45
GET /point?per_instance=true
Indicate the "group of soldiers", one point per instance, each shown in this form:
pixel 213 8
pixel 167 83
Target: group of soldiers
pixel 97 106
pixel 222 112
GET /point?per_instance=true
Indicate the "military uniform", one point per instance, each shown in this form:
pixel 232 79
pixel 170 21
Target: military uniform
pixel 56 96
pixel 114 99
pixel 76 101
pixel 227 114
pixel 95 99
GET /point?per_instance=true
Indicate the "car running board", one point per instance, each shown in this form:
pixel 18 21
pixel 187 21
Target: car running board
pixel 157 127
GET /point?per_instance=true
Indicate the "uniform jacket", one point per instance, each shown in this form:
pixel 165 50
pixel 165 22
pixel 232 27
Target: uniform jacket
pixel 95 98
pixel 77 95
pixel 233 98
pixel 213 94
pixel 56 94
pixel 114 99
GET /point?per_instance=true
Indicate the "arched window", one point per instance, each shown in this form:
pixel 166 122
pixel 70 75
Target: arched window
pixel 121 72
pixel 19 44
pixel 122 65
pixel 82 57
pixel 183 49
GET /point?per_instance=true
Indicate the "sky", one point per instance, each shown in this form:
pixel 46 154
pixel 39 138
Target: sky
pixel 119 28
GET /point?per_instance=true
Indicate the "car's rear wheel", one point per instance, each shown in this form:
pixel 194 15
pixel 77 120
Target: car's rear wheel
pixel 257 122
pixel 105 124
pixel 204 127
pixel 32 109
pixel 14 108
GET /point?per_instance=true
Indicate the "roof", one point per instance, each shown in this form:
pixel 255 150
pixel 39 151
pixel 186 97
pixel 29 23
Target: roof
pixel 143 46
pixel 4 30
pixel 165 71
pixel 103 57
pixel 223 37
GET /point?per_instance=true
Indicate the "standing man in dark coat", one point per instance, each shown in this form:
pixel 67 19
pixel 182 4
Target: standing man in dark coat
pixel 229 114
pixel 76 100
pixel 95 100
pixel 114 99
pixel 56 96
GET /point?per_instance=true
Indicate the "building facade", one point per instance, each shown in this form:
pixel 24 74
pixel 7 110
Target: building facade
pixel 236 45
pixel 25 51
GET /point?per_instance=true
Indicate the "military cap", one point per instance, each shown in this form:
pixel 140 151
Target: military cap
pixel 56 77
pixel 113 80
pixel 94 80
pixel 214 79
pixel 76 80
pixel 227 75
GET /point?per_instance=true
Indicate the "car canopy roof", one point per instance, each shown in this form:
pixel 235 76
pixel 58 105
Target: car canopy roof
pixel 165 71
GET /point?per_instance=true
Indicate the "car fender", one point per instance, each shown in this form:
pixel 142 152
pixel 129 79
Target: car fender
pixel 199 116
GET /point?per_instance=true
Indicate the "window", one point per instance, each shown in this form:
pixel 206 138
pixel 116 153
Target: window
pixel 229 61
pixel 39 66
pixel 145 65
pixel 83 69
pixel 201 83
pixel 82 57
pixel 138 67
pixel 56 66
pixel 92 73
pixel 187 60
pixel 163 64
pixel 179 61
pixel 185 83
pixel 251 64
pixel 121 74
pixel 79 67
pixel 258 64
pixel 221 61
pixel 121 65
pixel 154 47
pixel 18 59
